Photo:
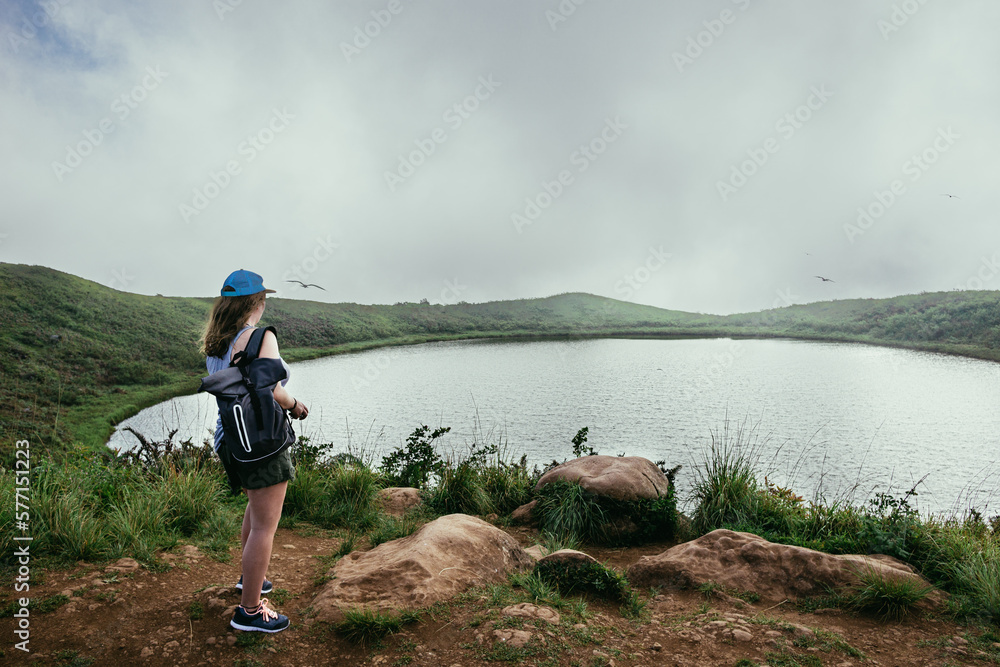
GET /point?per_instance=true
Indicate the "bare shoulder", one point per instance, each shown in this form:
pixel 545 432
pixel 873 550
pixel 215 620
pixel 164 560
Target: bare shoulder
pixel 269 346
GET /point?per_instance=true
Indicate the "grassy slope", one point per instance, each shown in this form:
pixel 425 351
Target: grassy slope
pixel 119 352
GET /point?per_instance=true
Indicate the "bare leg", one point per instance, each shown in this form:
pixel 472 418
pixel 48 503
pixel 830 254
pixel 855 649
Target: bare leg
pixel 245 531
pixel 264 510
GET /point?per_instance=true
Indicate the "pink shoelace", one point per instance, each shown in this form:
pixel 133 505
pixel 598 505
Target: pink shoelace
pixel 262 608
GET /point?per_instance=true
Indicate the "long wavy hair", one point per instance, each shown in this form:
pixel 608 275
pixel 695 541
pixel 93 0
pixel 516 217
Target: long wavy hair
pixel 229 314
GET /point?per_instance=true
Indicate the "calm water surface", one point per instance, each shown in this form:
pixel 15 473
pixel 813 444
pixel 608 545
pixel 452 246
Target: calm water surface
pixel 830 417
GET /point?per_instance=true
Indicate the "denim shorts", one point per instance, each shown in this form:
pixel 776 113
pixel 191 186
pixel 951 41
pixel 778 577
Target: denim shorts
pixel 259 474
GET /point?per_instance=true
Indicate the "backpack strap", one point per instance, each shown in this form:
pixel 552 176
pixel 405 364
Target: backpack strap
pixel 242 361
pixel 252 349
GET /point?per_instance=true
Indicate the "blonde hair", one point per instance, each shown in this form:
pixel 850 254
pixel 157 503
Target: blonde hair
pixel 229 314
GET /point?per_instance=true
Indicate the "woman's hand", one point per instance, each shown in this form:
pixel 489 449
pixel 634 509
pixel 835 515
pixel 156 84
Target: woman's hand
pixel 299 410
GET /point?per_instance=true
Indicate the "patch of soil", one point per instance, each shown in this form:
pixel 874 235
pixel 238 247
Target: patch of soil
pixel 181 617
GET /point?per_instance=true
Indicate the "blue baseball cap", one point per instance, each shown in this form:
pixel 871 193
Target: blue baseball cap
pixel 242 283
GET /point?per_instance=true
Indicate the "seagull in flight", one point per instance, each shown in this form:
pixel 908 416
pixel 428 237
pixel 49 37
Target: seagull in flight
pixel 305 285
pixel 826 280
pixel 945 194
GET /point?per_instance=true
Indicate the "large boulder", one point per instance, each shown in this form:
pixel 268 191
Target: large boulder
pixel 395 500
pixel 750 563
pixel 443 558
pixel 617 477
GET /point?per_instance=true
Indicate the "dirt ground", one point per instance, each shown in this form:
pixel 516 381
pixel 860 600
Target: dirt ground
pixel 180 616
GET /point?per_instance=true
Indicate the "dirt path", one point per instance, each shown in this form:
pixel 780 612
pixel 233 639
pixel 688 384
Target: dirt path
pixel 181 617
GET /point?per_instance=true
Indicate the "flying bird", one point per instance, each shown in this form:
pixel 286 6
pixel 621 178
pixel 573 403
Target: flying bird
pixel 304 284
pixel 826 280
pixel 945 194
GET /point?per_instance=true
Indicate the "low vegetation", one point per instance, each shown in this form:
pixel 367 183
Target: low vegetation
pixel 959 554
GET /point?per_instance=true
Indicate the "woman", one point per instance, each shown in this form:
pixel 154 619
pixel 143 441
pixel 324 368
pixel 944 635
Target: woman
pixel 234 316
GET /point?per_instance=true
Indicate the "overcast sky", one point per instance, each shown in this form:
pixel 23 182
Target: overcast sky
pixel 705 156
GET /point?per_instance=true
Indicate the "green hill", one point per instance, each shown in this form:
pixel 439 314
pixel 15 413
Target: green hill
pixel 76 356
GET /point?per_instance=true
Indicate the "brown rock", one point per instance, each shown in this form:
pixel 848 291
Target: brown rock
pixel 568 556
pixel 395 500
pixel 741 635
pixel 616 477
pixel 750 563
pixel 190 551
pixel 124 566
pixel 443 558
pixel 528 610
pixel 516 638
pixel 146 653
pixel 524 515
pixel 536 551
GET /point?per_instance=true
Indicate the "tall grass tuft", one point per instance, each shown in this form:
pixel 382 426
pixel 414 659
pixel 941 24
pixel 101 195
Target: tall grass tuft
pixel 569 512
pixel 188 497
pixel 137 525
pixel 334 496
pixel 388 528
pixel 508 484
pixel 460 491
pixel 886 597
pixel 979 574
pixel 68 526
pixel 367 625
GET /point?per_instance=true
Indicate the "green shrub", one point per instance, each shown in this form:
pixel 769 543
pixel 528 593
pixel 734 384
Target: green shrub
pixel 655 520
pixel 413 464
pixel 591 577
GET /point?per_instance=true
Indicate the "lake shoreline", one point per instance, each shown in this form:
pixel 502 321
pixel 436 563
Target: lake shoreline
pixel 153 396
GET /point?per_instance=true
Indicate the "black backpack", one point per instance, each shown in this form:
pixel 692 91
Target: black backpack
pixel 255 427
